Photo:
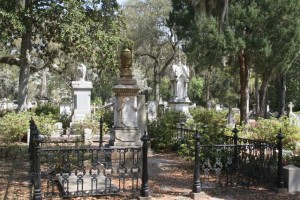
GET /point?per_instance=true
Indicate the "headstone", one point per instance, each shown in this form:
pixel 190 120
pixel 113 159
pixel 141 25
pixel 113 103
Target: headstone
pixel 294 119
pixel 152 111
pixel 254 109
pixel 142 117
pixel 291 105
pixel 87 133
pixel 126 131
pixel 81 96
pixel 291 176
pixel 230 118
pixel 58 126
pixel 65 108
pixel 218 107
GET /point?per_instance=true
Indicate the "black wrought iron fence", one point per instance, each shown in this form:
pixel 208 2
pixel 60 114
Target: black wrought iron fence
pixel 242 163
pixel 69 171
pixel 232 161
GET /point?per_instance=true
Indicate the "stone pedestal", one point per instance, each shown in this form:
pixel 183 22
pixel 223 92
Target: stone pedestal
pixel 291 178
pixel 126 131
pixel 81 99
pixel 181 106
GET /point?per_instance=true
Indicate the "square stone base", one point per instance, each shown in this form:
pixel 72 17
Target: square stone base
pixel 145 198
pixel 125 137
pixel 198 196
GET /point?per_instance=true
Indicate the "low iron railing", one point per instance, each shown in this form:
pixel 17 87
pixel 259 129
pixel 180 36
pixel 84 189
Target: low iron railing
pixel 242 163
pixel 234 161
pixel 64 171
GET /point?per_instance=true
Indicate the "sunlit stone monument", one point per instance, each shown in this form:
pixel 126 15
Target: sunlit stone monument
pixel 81 96
pixel 179 79
pixel 126 131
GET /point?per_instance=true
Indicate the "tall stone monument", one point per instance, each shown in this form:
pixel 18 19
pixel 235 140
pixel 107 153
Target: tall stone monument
pixel 179 79
pixel 125 131
pixel 81 96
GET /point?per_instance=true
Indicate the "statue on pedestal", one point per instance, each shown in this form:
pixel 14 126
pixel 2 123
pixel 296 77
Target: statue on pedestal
pixel 81 71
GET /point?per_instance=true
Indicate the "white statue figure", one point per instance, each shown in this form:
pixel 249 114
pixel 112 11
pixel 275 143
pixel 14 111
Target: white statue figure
pixel 81 71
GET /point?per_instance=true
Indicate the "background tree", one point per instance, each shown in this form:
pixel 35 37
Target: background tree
pixel 155 45
pixel 256 34
pixel 59 35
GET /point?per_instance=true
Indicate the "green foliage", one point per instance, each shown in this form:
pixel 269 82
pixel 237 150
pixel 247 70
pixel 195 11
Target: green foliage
pixel 165 92
pixel 267 130
pixel 79 127
pixel 10 151
pixel 161 130
pixel 195 89
pixel 14 127
pixel 108 117
pixel 214 120
pixel 65 119
pixel 47 109
pixel 45 124
pixel 61 35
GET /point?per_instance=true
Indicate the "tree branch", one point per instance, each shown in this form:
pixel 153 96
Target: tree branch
pixel 146 54
pixel 171 58
pixel 10 60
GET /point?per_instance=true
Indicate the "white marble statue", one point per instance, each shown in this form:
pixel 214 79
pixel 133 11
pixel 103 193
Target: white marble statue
pixel 81 71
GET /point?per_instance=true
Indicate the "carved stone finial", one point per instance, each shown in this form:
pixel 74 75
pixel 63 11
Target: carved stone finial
pixel 126 61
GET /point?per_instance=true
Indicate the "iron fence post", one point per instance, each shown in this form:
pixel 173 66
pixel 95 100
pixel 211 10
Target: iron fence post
pixel 235 138
pixel 197 183
pixel 101 132
pixel 37 193
pixel 145 187
pixel 280 183
pixel 31 128
pixel 181 131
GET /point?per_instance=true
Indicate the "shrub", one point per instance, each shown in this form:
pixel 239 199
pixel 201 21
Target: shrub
pixel 14 126
pixel 79 127
pixel 267 130
pixel 215 122
pixel 47 109
pixel 161 131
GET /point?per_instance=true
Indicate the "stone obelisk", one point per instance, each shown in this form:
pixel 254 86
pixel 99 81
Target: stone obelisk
pixel 125 131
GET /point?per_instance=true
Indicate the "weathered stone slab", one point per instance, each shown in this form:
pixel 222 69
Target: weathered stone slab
pixel 73 183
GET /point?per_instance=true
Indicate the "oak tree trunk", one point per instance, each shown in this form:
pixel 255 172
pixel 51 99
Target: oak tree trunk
pixel 263 95
pixel 24 61
pixel 282 95
pixel 244 82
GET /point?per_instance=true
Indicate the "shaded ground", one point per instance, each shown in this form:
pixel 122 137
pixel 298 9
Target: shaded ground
pixel 170 178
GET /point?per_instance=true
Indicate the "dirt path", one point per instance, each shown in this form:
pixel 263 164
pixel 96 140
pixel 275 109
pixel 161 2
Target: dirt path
pixel 14 176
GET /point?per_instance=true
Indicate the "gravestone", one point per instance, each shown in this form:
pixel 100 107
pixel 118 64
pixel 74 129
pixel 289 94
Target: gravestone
pixel 179 83
pixel 218 107
pixel 125 131
pixel 230 118
pixel 58 129
pixel 152 111
pixel 65 108
pixel 294 119
pixel 291 176
pixel 81 96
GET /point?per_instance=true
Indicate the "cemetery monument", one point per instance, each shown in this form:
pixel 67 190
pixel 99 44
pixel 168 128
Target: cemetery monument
pixel 126 131
pixel 180 78
pixel 81 96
